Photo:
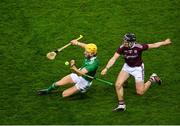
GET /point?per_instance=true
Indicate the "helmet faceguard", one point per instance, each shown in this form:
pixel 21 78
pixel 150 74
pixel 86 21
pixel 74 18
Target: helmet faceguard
pixel 129 39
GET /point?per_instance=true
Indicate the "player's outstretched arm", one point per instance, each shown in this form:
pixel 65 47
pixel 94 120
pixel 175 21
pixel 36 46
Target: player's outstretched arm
pixel 110 63
pixel 76 42
pixel 158 44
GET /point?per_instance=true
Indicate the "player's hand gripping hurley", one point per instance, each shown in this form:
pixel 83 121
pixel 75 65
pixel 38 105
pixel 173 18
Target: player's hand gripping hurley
pixel 72 64
pixel 52 55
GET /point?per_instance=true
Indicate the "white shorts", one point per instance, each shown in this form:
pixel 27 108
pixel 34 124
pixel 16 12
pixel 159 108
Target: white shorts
pixel 81 84
pixel 137 72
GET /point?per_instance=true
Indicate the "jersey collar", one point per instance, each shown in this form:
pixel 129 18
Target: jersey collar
pixel 93 58
pixel 133 45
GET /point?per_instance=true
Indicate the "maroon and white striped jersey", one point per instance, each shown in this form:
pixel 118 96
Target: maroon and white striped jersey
pixel 132 55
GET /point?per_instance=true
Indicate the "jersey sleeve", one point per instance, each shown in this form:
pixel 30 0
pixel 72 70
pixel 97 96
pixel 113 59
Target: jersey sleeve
pixel 92 67
pixel 120 50
pixel 144 47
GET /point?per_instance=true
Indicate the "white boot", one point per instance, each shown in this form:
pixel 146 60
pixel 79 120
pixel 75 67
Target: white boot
pixel 155 78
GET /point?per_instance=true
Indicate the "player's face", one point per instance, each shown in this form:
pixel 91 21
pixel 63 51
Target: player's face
pixel 87 54
pixel 126 43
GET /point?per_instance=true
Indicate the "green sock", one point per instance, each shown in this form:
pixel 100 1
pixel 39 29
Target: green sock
pixel 52 87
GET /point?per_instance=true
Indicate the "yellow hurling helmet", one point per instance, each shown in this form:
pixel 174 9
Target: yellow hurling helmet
pixel 91 48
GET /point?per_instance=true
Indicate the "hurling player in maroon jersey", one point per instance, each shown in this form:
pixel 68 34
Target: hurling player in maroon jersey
pixel 131 51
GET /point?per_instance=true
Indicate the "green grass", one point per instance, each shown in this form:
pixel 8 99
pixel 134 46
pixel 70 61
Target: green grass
pixel 30 29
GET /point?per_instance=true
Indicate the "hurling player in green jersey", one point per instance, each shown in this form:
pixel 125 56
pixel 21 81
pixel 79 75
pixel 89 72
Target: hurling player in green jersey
pixel 78 78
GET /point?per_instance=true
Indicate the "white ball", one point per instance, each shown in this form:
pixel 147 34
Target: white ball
pixel 66 63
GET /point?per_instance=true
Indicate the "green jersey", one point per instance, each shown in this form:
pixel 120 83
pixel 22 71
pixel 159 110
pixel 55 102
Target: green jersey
pixel 91 66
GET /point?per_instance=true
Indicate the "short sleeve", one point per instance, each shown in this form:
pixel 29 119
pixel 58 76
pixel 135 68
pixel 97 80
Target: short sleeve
pixel 120 50
pixel 144 46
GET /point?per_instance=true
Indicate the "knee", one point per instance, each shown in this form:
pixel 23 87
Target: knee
pixel 118 85
pixel 139 92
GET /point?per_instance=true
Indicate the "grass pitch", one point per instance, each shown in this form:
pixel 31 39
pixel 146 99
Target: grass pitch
pixel 30 29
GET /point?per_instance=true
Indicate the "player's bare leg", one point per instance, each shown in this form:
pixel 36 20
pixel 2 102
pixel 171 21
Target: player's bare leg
pixel 122 77
pixel 64 81
pixel 70 91
pixel 141 88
